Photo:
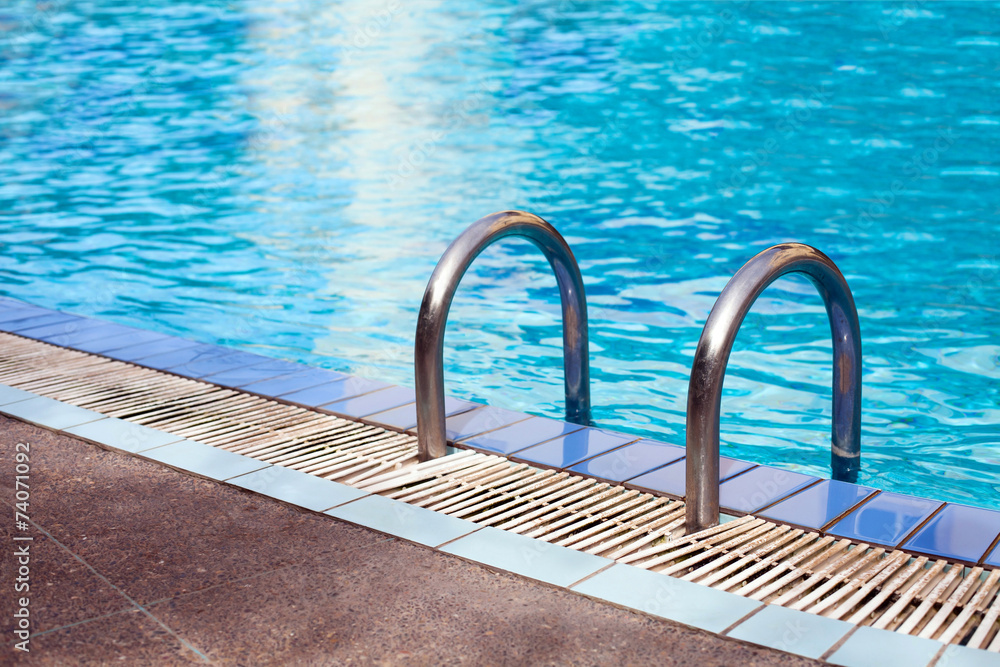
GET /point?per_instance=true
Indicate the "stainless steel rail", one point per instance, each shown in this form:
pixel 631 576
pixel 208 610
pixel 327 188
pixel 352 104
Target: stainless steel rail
pixel 712 355
pixel 429 347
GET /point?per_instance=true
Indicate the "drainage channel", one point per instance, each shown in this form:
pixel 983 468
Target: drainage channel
pixel 749 556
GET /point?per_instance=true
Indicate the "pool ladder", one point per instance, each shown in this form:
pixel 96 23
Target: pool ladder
pixel 710 360
pixel 429 345
pixel 712 356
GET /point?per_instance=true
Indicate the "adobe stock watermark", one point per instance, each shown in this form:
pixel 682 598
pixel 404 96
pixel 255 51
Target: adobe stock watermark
pixel 784 128
pixel 764 491
pixel 22 546
pixel 40 20
pixel 913 171
pixel 717 25
pixel 81 151
pixel 901 13
pixel 267 132
pixel 363 35
pixel 416 155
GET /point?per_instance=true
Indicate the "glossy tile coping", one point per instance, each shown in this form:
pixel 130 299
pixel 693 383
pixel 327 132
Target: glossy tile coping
pixel 789 630
pixel 567 450
pixel 674 599
pixel 297 488
pixel 993 560
pixel 670 479
pixel 629 461
pixel 885 519
pixel 870 647
pixel 535 559
pixel 124 435
pixel 50 413
pixel 521 435
pixel 843 509
pixel 634 588
pixel 400 519
pixel 759 487
pixel 957 532
pixel 290 383
pixel 348 387
pixel 404 418
pixel 203 460
pixel 817 505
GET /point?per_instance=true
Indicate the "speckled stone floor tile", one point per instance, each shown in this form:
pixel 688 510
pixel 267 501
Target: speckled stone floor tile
pixel 61 589
pixel 124 639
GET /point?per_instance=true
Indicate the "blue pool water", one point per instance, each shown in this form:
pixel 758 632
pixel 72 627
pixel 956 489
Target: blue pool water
pixel 282 177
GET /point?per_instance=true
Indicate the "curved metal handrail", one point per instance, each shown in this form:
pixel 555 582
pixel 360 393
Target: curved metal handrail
pixel 712 355
pixel 429 347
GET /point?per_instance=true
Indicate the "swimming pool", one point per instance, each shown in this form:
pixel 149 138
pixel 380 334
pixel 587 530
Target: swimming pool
pixel 283 178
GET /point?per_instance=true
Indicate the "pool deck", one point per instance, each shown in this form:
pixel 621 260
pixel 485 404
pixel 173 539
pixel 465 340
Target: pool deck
pixel 919 526
pixel 423 587
pixel 136 563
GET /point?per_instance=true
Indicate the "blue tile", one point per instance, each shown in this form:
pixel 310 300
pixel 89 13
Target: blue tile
pixel 265 370
pixel 569 449
pixel 199 368
pixel 12 395
pixel 84 335
pixel 50 413
pixel 958 531
pixel 176 358
pixel 963 656
pixel 11 315
pixel 870 647
pixel 760 487
pixel 17 326
pixel 293 382
pixel 993 560
pixel 116 338
pixel 204 460
pixel 369 404
pixel 674 599
pixel 124 435
pixel 151 348
pixel 62 330
pixel 818 505
pixel 791 631
pixel 349 387
pixel 526 556
pixel 409 522
pixel 521 435
pixel 630 461
pixel 405 417
pixel 480 420
pixel 885 519
pixel 671 479
pixel 298 488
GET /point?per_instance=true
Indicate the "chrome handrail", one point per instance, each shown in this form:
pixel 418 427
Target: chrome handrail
pixel 429 346
pixel 712 355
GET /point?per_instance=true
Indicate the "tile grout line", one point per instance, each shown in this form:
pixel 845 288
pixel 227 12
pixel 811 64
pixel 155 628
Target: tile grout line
pixel 843 515
pixel 118 590
pixel 591 575
pixel 939 655
pixel 783 498
pixel 127 610
pixel 183 595
pixel 448 542
pixel 825 657
pixel 725 632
